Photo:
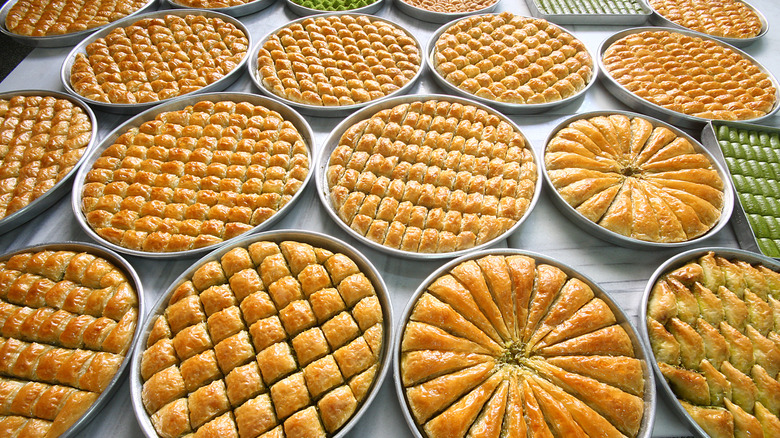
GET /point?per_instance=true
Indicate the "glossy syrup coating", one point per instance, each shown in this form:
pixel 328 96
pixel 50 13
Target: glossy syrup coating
pixel 45 18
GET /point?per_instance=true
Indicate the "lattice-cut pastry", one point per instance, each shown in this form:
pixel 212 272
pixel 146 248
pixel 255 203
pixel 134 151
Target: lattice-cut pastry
pixel 512 59
pixel 67 320
pixel 44 18
pixel 41 139
pixel 338 60
pixel 725 373
pixel 271 377
pixel 722 18
pixel 690 75
pixel 158 58
pixel 448 7
pixel 517 344
pixel 194 177
pixel 432 177
pixel 635 177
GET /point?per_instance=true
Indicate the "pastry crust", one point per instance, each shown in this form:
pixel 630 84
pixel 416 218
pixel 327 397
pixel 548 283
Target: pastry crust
pixel 44 18
pixel 450 7
pixel 722 18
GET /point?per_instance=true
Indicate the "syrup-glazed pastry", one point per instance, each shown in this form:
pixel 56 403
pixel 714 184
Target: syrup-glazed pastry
pixel 45 18
pixel 720 18
pixel 448 7
pixel 212 4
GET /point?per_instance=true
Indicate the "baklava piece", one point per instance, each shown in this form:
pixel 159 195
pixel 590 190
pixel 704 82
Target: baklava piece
pixel 448 7
pixel 46 18
pixel 721 18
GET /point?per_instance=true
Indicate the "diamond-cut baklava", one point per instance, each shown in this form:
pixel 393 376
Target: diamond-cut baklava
pixel 272 340
pixel 713 326
pixel 720 18
pixel 690 75
pixel 194 177
pixel 337 60
pixel 67 319
pixel 431 177
pixel 158 58
pixel 44 18
pixel 449 7
pixel 507 343
pixel 635 178
pixel 41 139
pixel 512 59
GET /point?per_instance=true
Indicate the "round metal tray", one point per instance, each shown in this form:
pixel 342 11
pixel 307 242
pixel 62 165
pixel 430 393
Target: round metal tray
pixel 675 262
pixel 133 108
pixel 304 11
pixel 640 350
pixel 67 39
pixel 626 241
pixel 644 106
pixel 288 113
pixel 315 239
pixel 659 20
pixel 328 111
pixel 234 11
pixel 440 17
pixel 321 169
pixel 505 107
pixel 36 207
pixel 135 282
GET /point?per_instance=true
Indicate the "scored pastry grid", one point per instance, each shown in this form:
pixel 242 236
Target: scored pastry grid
pixel 41 139
pixel 635 179
pixel 713 327
pixel 723 18
pixel 338 60
pixel 513 59
pixel 67 320
pixel 591 7
pixel 194 177
pixel 272 339
pixel 690 75
pixel 510 343
pixel 432 176
pixel 41 18
pixel 448 7
pixel 158 58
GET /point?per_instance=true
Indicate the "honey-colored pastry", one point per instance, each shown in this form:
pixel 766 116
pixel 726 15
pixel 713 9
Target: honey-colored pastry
pixel 338 60
pixel 158 58
pixel 579 382
pixel 67 320
pixel 432 177
pixel 676 72
pixel 195 177
pixel 635 179
pixel 44 18
pixel 212 4
pixel 447 7
pixel 513 59
pixel 260 358
pixel 721 18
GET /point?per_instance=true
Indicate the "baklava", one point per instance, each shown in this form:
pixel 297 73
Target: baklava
pixel 448 7
pixel 46 18
pixel 212 4
pixel 719 18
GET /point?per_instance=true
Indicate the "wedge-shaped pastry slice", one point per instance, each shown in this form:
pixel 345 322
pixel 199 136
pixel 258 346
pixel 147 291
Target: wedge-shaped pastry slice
pixel 579 192
pixel 564 177
pixel 678 146
pixel 619 215
pixel 471 276
pixel 670 229
pixel 754 279
pixel 549 280
pixel 691 343
pixel 745 425
pixel 734 308
pixel 716 348
pixel 759 312
pixel 733 276
pixel 686 214
pixel 591 317
pixel 768 389
pixel 488 425
pixel 659 137
pixel 645 224
pixel 665 347
pixel 622 372
pixel 573 295
pixel 740 348
pixel 537 426
pixel 425 364
pixel 612 340
pixel 765 352
pixel 452 292
pixel 743 390
pixel 559 419
pixel 717 422
pixel 770 424
pixel 677 163
pixel 514 420
pixel 687 306
pixel 577 136
pixel 562 144
pixel 707 213
pixel 712 273
pixel 719 385
pixel 621 126
pixel 595 207
pixel 435 395
pixel 564 160
pixel 686 384
pixel 662 304
pixel 602 138
pixel 521 269
pixel 710 306
pixel 419 336
pixel 499 282
pixel 772 280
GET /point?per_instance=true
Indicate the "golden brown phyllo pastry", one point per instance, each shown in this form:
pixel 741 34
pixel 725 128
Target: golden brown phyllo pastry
pixel 721 18
pixel 47 18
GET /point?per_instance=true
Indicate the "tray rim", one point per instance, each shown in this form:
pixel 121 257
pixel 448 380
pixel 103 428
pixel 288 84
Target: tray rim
pixel 234 11
pixel 440 17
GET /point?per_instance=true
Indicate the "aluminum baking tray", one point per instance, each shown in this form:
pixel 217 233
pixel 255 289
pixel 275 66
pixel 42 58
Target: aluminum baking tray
pixel 505 107
pixel 675 262
pixel 646 107
pixel 36 207
pixel 234 11
pixel 328 111
pixel 640 349
pixel 626 241
pixel 68 39
pixel 332 142
pixel 288 113
pixel 134 108
pixel 133 279
pixel 592 18
pixel 315 239
pixel 659 20
pixel 439 17
pixel 304 11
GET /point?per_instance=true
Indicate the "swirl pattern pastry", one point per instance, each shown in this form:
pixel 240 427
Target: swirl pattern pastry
pixel 43 18
pixel 505 343
pixel 634 178
pixel 433 176
pixel 713 325
pixel 720 18
pixel 273 340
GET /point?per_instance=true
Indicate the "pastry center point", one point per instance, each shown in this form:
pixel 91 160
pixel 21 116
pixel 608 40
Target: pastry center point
pixel 513 354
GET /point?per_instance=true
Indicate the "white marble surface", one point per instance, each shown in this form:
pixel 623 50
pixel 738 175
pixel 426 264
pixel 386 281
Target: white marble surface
pixel 621 272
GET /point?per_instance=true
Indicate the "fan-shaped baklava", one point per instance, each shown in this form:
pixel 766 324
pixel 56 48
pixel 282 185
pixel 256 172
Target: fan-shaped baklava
pixel 44 18
pixel 713 325
pixel 158 58
pixel 272 340
pixel 67 319
pixel 690 75
pixel 506 343
pixel 449 7
pixel 635 178
pixel 41 139
pixel 337 60
pixel 194 177
pixel 512 59
pixel 431 177
pixel 720 18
